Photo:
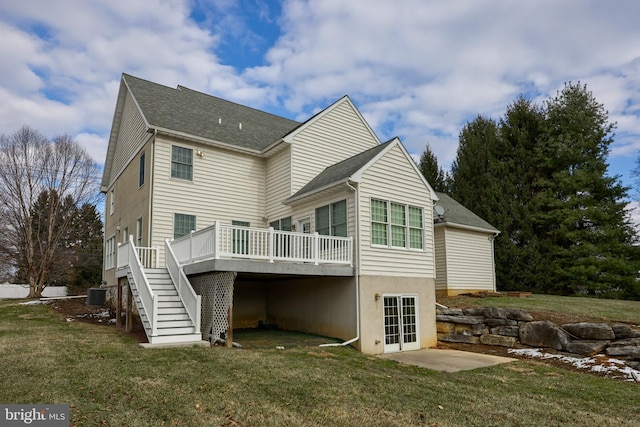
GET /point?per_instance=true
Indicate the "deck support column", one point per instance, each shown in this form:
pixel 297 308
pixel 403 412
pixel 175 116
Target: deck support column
pixel 119 303
pixel 129 325
pixel 230 330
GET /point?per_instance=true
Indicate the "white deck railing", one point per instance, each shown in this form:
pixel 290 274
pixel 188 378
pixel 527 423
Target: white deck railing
pixel 191 301
pixel 128 257
pixel 232 241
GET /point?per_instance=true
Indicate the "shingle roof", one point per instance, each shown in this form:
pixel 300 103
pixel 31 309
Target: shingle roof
pixel 455 213
pixel 341 171
pixel 194 113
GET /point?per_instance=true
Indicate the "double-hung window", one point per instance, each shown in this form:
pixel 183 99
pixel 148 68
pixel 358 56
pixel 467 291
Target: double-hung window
pixel 331 220
pixel 181 163
pixel 396 225
pixel 110 253
pixel 141 170
pixel 183 224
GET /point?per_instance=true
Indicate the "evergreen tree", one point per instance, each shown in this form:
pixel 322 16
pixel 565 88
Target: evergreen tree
pixel 539 175
pixel 518 260
pixel 433 173
pixel 581 217
pixel 472 183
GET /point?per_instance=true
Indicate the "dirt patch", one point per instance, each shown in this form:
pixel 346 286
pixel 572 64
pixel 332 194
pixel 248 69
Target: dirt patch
pixel 76 309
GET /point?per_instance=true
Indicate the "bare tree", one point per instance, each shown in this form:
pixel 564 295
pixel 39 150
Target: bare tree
pixel 31 165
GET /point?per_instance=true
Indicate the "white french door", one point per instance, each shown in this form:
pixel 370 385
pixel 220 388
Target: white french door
pixel 400 323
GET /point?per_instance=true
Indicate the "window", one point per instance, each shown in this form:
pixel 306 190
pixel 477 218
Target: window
pixel 125 235
pixel 283 224
pixel 396 225
pixel 141 174
pixel 416 234
pixel 112 201
pixel 181 163
pixel 331 220
pixel 110 253
pixel 139 232
pixel 183 225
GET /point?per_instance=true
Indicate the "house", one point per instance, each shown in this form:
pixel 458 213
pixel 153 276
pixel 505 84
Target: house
pixel 220 216
pixel 463 250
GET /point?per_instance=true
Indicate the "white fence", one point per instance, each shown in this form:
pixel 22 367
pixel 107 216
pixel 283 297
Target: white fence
pixel 232 241
pixel 13 291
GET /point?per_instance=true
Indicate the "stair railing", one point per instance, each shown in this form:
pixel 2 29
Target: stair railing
pixel 148 300
pixel 192 301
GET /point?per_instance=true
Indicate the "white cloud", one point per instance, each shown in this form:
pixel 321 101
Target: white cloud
pixel 417 68
pixel 422 68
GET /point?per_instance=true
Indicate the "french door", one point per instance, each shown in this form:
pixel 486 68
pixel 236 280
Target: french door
pixel 400 323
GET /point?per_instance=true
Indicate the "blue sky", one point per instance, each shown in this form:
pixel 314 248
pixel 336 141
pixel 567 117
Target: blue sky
pixel 418 69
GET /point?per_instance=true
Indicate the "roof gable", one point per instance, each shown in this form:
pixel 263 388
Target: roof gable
pixel 456 214
pixel 351 169
pixel 309 122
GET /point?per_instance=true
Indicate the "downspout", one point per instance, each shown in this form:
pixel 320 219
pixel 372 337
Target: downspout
pixel 357 245
pixel 493 259
pixel 149 218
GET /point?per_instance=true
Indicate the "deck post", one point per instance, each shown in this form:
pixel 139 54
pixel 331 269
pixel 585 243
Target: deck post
pixel 230 330
pixel 119 303
pixel 129 324
pixel 271 244
pixel 191 245
pixel 216 240
pixel 316 248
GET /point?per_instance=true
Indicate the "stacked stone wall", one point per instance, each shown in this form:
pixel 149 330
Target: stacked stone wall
pixel 509 327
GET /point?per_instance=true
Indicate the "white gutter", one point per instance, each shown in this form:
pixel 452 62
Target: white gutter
pixel 357 243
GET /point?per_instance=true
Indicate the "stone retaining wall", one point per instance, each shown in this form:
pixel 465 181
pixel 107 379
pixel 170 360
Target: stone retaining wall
pixel 513 327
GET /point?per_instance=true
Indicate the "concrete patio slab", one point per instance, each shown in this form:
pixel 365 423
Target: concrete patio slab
pixel 446 360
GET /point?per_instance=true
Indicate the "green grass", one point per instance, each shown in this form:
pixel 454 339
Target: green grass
pixel 107 379
pixel 589 308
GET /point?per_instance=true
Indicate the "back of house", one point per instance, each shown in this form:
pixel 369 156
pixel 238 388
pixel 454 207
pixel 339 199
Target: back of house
pixel 316 226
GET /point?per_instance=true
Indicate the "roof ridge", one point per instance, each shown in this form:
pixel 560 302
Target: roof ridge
pixel 180 87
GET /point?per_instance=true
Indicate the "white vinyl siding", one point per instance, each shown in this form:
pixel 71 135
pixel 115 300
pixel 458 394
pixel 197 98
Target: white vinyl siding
pixel 278 183
pixel 469 260
pixel 226 185
pixel 331 138
pixel 393 179
pixel 133 132
pixel 441 257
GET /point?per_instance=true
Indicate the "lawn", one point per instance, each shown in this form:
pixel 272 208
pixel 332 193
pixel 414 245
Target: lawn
pixel 605 310
pixel 107 379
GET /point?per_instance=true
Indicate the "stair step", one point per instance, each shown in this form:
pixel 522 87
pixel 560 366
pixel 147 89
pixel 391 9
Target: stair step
pixel 162 285
pixel 171 310
pixel 165 292
pixel 165 317
pixel 170 304
pixel 167 298
pixel 170 339
pixel 176 331
pixel 174 324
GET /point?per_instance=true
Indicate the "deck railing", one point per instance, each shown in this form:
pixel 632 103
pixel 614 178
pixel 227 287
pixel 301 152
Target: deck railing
pixel 128 256
pixel 191 301
pixel 233 241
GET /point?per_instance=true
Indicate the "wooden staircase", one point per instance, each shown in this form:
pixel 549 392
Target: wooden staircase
pixel 173 323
